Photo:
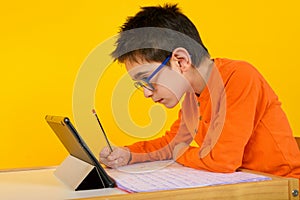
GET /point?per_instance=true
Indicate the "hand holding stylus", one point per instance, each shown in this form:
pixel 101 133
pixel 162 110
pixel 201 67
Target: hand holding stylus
pixel 112 157
pixel 120 156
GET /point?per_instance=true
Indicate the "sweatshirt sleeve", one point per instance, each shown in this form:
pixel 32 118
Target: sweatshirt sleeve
pixel 242 100
pixel 160 148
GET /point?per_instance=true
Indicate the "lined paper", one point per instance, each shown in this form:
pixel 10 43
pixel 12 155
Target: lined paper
pixel 168 175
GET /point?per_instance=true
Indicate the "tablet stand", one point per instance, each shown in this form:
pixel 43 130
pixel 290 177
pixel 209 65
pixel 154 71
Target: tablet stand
pixel 78 174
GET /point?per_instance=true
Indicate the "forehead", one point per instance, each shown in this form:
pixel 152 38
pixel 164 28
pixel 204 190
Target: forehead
pixel 137 69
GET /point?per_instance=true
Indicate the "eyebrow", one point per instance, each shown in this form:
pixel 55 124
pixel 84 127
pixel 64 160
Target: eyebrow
pixel 139 74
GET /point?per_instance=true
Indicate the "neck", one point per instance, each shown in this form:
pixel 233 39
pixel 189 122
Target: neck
pixel 202 75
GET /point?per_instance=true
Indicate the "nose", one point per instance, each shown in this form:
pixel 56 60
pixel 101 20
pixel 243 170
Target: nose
pixel 147 93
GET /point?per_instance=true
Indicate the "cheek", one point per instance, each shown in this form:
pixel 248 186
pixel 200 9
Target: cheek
pixel 163 90
pixel 174 84
pixel 167 94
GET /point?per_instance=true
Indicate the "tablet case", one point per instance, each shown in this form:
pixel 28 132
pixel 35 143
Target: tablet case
pixel 80 170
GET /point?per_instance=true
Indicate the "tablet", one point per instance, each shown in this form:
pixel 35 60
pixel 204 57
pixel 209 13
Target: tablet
pixel 75 145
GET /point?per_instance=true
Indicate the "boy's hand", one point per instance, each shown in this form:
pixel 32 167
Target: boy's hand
pixel 179 149
pixel 120 156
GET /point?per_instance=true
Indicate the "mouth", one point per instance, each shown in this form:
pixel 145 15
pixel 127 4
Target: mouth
pixel 159 100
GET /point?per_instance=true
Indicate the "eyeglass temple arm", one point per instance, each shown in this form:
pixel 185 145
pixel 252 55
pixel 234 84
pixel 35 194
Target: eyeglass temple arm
pixel 159 67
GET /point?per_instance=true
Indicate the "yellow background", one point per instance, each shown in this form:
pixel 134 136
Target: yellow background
pixel 43 44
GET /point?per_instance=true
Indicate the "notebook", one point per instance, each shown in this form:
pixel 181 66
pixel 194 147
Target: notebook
pixel 169 175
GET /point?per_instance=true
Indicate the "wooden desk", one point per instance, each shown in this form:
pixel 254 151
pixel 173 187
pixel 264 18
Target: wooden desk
pixel 42 184
pixel 277 188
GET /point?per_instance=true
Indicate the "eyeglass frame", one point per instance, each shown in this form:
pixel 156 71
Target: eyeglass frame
pixel 145 82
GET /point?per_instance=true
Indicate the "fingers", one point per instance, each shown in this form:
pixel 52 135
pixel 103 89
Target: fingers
pixel 118 157
pixel 116 162
pixel 105 152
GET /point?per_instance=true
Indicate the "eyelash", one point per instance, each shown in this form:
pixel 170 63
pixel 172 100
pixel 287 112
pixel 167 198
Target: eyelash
pixel 144 76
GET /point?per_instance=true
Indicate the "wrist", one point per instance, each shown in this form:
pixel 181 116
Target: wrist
pixel 130 155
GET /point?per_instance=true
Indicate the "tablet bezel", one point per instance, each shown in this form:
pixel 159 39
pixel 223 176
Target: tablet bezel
pixel 76 146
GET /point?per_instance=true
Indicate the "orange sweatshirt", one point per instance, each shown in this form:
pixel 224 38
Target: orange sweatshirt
pixel 240 125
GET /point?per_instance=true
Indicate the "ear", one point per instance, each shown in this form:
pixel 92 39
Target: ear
pixel 181 59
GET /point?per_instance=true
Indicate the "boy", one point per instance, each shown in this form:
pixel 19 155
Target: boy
pixel 228 109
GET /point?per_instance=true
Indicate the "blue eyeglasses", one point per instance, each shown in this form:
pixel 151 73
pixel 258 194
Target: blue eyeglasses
pixel 145 82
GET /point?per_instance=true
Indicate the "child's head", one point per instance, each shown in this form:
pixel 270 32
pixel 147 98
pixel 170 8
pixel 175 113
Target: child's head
pixel 170 29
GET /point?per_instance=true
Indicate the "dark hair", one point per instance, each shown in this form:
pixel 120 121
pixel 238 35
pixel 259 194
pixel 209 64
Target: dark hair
pixel 154 32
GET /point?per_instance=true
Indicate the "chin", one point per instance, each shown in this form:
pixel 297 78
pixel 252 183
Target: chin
pixel 171 105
